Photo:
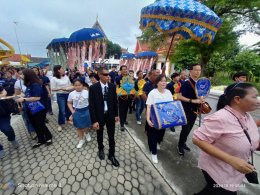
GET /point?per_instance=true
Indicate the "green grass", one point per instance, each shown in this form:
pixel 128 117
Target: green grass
pixel 223 79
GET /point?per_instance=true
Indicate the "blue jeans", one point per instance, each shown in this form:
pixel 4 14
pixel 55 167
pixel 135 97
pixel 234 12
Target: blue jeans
pixel 6 128
pixel 26 120
pixel 64 112
pixel 49 105
pixel 140 105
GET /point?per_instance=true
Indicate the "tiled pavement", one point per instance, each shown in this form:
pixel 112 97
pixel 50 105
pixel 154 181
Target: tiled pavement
pixel 63 169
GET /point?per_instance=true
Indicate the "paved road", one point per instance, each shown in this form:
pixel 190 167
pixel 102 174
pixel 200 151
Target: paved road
pixel 181 173
pixel 63 169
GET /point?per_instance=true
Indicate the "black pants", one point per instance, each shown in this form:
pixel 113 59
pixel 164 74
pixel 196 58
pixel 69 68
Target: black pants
pixel 38 123
pixel 212 188
pixel 131 104
pixel 110 125
pixel 185 131
pixel 154 136
pixel 123 109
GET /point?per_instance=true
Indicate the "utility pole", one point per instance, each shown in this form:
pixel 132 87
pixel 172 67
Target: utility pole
pixel 15 24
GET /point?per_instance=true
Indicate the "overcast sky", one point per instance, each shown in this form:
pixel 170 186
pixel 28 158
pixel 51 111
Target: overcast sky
pixel 41 21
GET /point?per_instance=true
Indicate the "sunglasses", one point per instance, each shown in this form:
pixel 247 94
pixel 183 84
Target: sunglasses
pixel 105 74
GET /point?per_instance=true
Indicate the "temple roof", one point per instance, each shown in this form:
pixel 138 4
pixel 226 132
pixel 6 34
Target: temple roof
pixel 99 27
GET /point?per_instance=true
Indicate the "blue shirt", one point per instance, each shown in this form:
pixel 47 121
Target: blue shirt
pixel 170 86
pixel 2 82
pixel 113 76
pixel 118 79
pixel 148 87
pixel 34 90
pixel 9 86
pixel 188 91
pixel 45 82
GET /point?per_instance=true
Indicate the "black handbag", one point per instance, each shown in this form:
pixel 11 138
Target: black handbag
pixel 12 106
pixel 251 177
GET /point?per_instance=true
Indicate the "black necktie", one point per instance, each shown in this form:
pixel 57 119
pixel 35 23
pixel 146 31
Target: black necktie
pixel 105 93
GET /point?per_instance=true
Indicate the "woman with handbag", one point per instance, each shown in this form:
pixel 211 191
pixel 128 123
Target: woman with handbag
pixel 227 139
pixel 79 106
pixel 157 95
pixel 19 89
pixel 34 106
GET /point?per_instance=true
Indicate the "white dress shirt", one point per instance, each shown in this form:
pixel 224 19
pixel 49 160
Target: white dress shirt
pixel 103 91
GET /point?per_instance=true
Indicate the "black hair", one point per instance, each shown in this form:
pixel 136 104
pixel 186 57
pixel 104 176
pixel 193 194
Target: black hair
pixel 236 89
pixel 30 77
pixel 138 72
pixel 56 71
pixel 175 74
pixel 79 80
pixel 113 66
pixel 101 68
pixel 121 67
pixel 94 75
pixel 39 73
pixel 159 78
pixel 239 74
pixel 190 67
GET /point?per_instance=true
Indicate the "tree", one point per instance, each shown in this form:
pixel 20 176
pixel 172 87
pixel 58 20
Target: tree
pixel 246 61
pixel 113 49
pixel 232 12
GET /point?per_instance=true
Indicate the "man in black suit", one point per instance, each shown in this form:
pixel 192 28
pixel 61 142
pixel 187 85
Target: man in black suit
pixel 103 108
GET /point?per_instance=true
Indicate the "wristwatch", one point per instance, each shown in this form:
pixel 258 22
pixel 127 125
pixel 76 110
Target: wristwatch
pixel 23 99
pixel 190 100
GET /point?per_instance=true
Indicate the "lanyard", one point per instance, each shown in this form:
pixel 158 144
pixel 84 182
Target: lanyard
pixel 246 133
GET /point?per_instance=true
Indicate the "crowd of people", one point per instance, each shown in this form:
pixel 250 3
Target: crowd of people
pixel 94 99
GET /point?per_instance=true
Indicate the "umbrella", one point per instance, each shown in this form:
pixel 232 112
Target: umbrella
pixel 187 18
pixel 128 56
pixel 85 34
pixel 57 42
pixel 44 63
pixel 146 54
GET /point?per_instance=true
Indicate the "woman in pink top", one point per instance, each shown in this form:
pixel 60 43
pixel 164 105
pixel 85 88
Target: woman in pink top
pixel 225 147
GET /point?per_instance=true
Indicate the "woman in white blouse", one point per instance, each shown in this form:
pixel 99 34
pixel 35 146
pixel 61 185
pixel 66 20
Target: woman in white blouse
pixel 61 85
pixel 157 95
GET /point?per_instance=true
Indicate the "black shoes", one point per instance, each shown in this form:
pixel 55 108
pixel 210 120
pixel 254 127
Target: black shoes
pixel 185 147
pixel 172 129
pixel 122 128
pixel 37 145
pixel 180 150
pixel 49 142
pixel 114 161
pixel 101 154
pixel 126 123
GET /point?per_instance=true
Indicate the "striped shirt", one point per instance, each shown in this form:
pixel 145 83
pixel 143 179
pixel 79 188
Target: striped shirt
pixel 222 130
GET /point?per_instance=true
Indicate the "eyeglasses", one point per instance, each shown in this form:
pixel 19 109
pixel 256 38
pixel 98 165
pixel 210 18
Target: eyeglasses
pixel 105 74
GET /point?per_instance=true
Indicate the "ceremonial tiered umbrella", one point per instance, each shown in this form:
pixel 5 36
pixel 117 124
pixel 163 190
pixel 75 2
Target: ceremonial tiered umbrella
pixel 127 59
pixel 57 51
pixel 85 45
pixel 145 60
pixel 188 18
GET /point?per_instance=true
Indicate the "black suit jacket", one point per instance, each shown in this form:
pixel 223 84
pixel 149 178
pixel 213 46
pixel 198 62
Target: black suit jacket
pixel 96 103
